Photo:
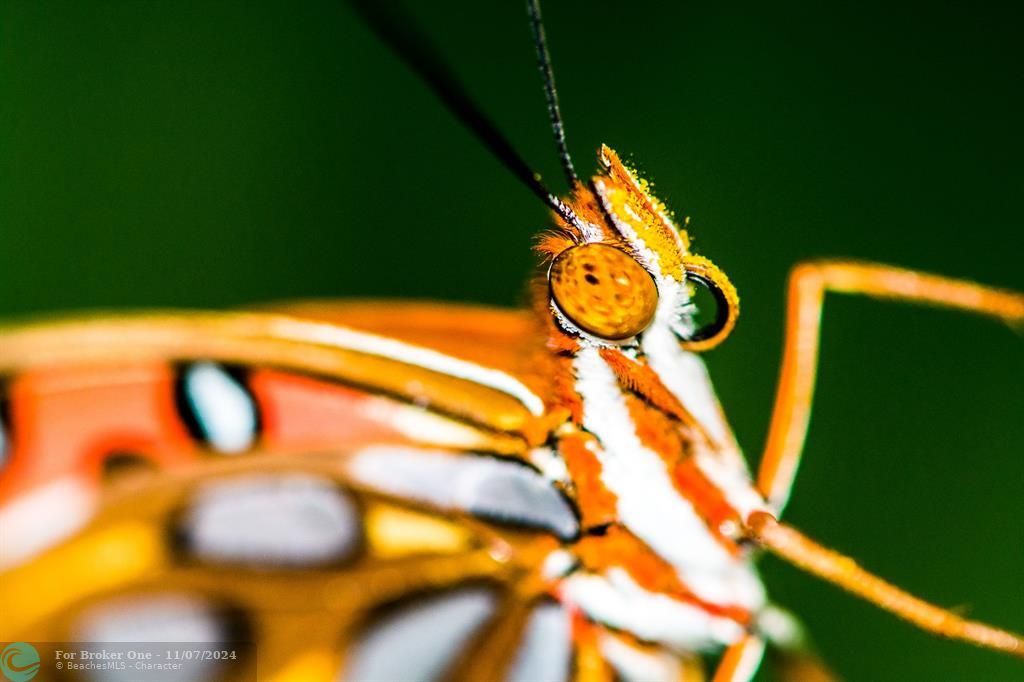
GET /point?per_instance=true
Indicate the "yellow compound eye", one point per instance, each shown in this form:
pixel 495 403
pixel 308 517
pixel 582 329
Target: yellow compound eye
pixel 603 291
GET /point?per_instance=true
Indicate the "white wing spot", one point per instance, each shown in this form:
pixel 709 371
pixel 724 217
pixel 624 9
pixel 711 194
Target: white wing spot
pixel 222 407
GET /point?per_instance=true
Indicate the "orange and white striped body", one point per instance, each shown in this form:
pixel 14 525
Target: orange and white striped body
pixel 593 427
pixel 662 487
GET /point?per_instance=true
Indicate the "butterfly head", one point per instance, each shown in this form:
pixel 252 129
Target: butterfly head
pixel 625 267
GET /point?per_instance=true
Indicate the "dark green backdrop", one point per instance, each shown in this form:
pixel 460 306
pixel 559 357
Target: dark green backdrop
pixel 218 153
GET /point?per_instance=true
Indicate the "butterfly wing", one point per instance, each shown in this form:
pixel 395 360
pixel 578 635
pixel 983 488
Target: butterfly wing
pixel 438 513
pixel 81 395
pixel 291 561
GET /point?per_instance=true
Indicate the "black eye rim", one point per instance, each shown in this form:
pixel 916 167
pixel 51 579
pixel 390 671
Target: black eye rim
pixel 703 272
pixel 722 309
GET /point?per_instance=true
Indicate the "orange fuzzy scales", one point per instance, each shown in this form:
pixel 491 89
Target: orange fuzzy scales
pixel 563 343
pixel 558 341
pixel 657 430
pixel 592 225
pixel 555 360
pixel 588 209
pixel 644 381
pixel 707 500
pixel 564 391
pixel 550 244
pixel 596 503
pixel 557 363
pixel 618 548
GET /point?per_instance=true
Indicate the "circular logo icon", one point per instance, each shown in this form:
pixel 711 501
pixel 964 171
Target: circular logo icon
pixel 19 662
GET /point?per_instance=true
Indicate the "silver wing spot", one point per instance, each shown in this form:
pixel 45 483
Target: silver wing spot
pixel 545 653
pixel 294 520
pixel 156 618
pixel 421 641
pixel 495 489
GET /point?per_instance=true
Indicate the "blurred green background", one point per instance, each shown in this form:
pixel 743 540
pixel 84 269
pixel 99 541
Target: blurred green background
pixel 218 153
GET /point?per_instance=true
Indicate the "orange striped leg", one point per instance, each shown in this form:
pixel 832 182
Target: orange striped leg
pixel 792 546
pixel 807 286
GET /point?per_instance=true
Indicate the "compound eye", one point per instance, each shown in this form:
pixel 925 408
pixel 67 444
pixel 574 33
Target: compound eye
pixel 603 291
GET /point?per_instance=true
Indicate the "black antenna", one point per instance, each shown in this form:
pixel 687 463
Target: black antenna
pixel 540 41
pixel 399 31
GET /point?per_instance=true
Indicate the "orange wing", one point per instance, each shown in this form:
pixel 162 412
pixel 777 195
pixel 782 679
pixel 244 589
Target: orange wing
pixel 496 337
pixel 216 542
pixel 80 394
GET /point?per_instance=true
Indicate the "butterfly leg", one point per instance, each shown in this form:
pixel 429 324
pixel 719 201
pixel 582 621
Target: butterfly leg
pixel 794 547
pixel 741 660
pixel 807 287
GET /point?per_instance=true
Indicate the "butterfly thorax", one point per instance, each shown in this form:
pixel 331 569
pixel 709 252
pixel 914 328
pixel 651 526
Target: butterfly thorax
pixel 660 484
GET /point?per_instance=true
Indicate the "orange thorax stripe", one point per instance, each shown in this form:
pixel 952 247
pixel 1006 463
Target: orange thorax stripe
pixel 597 504
pixel 644 381
pixel 668 428
pixel 659 433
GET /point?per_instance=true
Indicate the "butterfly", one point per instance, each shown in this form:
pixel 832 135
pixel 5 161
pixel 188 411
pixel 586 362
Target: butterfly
pixel 410 491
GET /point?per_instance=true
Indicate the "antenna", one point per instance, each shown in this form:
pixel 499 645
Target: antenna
pixel 396 28
pixel 550 92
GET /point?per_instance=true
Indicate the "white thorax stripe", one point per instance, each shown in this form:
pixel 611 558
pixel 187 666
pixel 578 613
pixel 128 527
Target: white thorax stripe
pixel 649 503
pixel 633 664
pixel 686 376
pixel 616 600
pixel 732 482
